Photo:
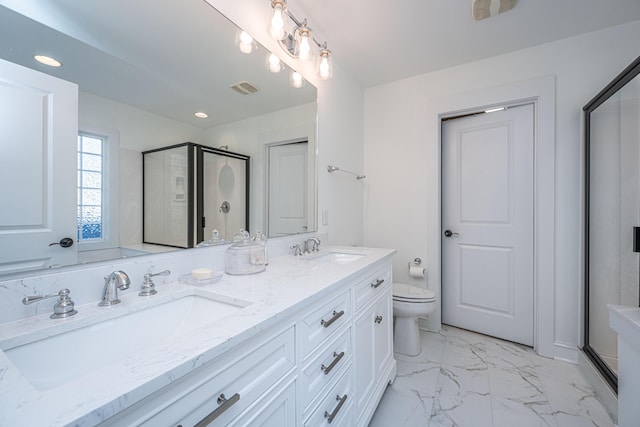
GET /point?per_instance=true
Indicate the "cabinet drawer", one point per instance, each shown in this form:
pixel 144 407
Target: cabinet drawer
pixel 324 321
pixel 325 366
pixel 242 375
pixel 276 409
pixel 335 408
pixel 372 285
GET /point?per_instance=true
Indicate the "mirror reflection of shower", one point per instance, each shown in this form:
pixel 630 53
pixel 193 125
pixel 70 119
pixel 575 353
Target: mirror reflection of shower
pixel 225 200
pixel 189 191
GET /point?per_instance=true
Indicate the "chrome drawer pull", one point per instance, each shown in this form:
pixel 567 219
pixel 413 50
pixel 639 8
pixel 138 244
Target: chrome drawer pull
pixel 337 357
pixel 378 319
pixel 224 405
pixel 331 416
pixel 336 316
pixel 377 283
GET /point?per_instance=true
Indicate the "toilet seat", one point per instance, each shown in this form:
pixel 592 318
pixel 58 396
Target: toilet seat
pixel 412 294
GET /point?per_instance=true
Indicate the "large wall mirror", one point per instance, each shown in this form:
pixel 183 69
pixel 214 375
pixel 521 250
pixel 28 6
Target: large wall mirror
pixel 612 264
pixel 142 69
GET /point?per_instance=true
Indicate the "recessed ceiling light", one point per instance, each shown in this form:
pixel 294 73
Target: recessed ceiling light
pixel 201 115
pixel 46 60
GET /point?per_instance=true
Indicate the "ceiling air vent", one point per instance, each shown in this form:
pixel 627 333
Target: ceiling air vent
pixel 244 87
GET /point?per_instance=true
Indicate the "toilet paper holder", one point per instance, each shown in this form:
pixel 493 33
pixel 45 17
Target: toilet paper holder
pixel 415 262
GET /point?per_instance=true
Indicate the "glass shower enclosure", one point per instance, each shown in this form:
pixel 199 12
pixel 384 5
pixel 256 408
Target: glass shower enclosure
pixel 189 190
pixel 612 215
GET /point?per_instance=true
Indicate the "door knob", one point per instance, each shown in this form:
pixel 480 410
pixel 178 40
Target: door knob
pixel 66 242
pixel 449 233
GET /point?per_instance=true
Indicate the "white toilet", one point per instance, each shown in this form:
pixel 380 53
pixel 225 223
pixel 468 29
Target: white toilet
pixel 409 303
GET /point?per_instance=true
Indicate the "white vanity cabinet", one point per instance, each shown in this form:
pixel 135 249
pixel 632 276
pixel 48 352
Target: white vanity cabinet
pixel 325 363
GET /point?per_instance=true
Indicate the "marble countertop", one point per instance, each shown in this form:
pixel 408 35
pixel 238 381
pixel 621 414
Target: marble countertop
pixel 289 284
pixel 625 320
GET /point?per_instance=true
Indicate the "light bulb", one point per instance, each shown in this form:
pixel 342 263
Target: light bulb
pixel 277 21
pixel 296 79
pixel 304 47
pixel 246 44
pixel 274 63
pixel 325 68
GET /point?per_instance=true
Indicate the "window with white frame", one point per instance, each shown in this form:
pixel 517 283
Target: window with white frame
pixel 90 188
pixel 97 190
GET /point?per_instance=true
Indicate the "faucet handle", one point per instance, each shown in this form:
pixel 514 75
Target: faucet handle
pixel 148 287
pixel 297 250
pixel 64 307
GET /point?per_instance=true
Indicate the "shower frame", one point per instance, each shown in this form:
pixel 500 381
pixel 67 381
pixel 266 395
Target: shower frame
pixel 195 184
pixel 627 75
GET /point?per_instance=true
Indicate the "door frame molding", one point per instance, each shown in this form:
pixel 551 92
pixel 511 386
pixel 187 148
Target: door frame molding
pixel 541 93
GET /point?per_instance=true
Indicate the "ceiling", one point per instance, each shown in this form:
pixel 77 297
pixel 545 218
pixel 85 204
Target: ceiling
pixel 172 60
pixel 383 41
pixel 374 41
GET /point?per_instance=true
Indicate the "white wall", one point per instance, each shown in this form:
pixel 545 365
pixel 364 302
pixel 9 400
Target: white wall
pixel 340 131
pixel 396 138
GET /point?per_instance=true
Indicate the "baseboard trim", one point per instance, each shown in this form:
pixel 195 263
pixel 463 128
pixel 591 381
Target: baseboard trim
pixel 565 351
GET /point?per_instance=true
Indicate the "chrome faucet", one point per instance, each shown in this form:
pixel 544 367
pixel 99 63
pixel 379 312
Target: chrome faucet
pixel 113 282
pixel 64 307
pixel 312 244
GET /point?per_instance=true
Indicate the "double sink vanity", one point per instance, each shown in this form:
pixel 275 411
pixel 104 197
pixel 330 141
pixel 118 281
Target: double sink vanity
pixel 307 342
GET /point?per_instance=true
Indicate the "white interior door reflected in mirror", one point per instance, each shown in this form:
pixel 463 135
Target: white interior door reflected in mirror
pixel 38 151
pixel 288 188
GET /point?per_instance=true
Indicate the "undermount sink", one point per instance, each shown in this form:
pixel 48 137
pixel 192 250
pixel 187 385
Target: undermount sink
pixel 52 361
pixel 336 256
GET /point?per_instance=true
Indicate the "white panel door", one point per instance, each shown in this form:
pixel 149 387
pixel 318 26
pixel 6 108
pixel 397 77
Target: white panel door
pixel 487 223
pixel 288 210
pixel 38 169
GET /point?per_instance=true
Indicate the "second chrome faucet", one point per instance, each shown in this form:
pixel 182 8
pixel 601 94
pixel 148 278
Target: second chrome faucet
pixel 113 282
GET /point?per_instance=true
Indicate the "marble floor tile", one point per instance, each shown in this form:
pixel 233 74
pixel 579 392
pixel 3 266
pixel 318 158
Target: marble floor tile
pixel 470 409
pixel 464 379
pixel 508 413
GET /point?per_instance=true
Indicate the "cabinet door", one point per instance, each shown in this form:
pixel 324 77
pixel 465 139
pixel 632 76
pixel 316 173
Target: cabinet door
pixel 373 346
pixel 382 333
pixel 364 355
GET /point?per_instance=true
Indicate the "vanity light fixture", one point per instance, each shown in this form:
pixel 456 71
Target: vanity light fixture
pixel 201 115
pixel 277 19
pixel 47 60
pixel 325 66
pixel 298 42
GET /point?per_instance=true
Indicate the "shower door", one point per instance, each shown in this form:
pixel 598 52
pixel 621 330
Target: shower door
pixel 223 182
pixel 612 271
